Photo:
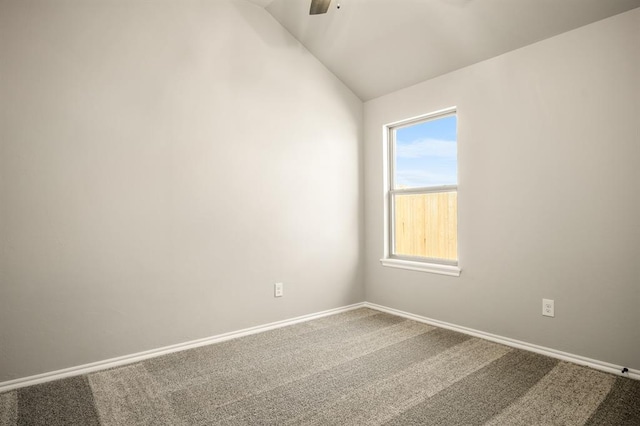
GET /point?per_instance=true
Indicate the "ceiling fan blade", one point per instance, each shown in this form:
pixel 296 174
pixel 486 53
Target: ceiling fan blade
pixel 319 6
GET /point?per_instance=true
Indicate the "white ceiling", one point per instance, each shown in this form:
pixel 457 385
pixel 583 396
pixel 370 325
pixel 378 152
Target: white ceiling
pixel 378 46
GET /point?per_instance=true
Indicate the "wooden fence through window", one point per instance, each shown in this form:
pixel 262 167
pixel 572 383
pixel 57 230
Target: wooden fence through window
pixel 427 225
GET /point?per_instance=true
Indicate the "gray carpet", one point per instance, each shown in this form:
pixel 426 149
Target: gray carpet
pixel 362 367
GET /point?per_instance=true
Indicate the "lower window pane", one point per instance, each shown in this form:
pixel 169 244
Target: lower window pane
pixel 427 225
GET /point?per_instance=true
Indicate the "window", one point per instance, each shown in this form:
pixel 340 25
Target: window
pixel 422 194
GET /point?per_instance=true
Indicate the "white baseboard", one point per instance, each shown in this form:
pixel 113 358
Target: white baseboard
pixel 140 356
pixel 576 359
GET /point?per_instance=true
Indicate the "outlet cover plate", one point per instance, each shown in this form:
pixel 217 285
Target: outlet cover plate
pixel 278 290
pixel 548 310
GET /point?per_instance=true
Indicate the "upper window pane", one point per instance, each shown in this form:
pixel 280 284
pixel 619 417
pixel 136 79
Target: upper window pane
pixel 426 154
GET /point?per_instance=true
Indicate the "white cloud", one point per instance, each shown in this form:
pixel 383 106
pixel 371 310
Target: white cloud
pixel 426 148
pixel 419 178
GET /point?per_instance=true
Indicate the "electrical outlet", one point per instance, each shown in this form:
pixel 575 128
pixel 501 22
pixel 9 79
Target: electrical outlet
pixel 278 290
pixel 547 308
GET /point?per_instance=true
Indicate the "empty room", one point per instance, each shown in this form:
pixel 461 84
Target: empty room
pixel 319 212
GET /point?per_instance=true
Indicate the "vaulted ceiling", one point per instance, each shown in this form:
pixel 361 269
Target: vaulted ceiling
pixel 378 46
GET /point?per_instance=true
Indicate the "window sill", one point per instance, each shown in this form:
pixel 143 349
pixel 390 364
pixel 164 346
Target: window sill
pixel 433 268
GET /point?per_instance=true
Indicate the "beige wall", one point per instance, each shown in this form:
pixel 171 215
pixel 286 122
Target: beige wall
pixel 549 155
pixel 162 164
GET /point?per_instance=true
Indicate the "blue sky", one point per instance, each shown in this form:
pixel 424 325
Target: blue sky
pixel 426 154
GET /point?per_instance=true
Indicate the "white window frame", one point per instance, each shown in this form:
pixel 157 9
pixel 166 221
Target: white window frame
pixel 437 266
